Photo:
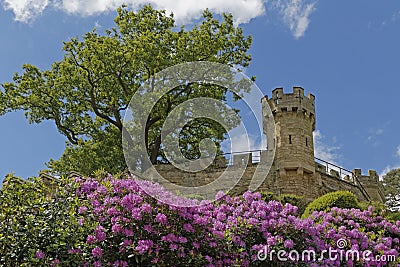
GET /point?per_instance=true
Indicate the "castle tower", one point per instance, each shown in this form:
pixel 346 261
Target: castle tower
pixel 294 117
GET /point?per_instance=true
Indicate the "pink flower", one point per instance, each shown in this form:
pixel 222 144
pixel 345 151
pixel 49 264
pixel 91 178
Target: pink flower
pixel 148 228
pixel 288 243
pixel 128 232
pixel 144 245
pixel 100 235
pixel 208 258
pixel 116 228
pixel 97 252
pixel 161 218
pixel 188 227
pixel 55 262
pixel 196 245
pixel 146 208
pixel 90 239
pixel 82 209
pixel 173 246
pixel 74 250
pixel 112 211
pixel 127 242
pixel 120 264
pixel 39 254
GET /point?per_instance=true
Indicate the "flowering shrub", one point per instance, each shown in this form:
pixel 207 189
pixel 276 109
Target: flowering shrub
pixel 120 225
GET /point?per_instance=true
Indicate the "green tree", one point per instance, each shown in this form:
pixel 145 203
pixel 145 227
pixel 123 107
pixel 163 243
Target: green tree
pixel 88 91
pixel 391 186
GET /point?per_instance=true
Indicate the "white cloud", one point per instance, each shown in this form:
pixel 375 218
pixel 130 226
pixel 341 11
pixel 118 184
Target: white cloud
pixel 323 151
pixel 242 143
pixel 388 168
pixel 374 133
pixel 295 13
pixel 184 10
pixel 25 10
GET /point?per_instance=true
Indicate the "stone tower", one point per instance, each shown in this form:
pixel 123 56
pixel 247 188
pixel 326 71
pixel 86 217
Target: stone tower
pixel 294 117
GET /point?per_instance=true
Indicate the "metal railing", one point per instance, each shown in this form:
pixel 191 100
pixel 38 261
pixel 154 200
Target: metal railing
pixel 334 170
pixel 255 155
pixel 321 165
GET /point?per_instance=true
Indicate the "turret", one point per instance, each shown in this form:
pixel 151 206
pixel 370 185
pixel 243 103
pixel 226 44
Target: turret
pixel 294 117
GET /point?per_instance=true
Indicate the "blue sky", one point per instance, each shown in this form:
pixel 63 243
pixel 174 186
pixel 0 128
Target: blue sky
pixel 344 52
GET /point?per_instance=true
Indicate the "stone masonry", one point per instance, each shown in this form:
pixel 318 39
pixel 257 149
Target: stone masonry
pixel 294 169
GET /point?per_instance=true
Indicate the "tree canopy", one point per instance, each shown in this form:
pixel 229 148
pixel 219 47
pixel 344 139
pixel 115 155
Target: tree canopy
pixel 87 92
pixel 391 185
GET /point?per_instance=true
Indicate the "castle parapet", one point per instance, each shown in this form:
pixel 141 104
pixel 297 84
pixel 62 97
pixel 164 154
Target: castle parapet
pixel 292 102
pixel 371 184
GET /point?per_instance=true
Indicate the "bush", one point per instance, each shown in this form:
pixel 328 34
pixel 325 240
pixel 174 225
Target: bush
pixel 292 199
pixel 113 222
pixel 339 199
pixel 295 200
pixel 267 196
pixel 34 224
pixel 393 216
pixel 378 207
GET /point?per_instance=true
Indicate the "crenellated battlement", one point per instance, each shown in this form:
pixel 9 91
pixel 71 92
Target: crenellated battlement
pixel 292 102
pixel 295 103
pixel 372 176
pixel 370 183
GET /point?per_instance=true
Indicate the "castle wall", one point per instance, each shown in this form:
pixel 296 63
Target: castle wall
pixel 197 179
pixel 308 185
pixel 289 128
pixel 331 184
pixel 297 182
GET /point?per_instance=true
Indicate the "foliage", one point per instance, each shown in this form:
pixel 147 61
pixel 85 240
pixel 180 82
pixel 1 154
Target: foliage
pixel 91 155
pixel 268 196
pixel 391 186
pixel 87 92
pixel 31 220
pixel 339 199
pixel 112 222
pixel 136 230
pixel 379 207
pixel 393 216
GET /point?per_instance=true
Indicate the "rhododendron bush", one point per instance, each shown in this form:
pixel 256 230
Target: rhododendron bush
pixel 121 225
